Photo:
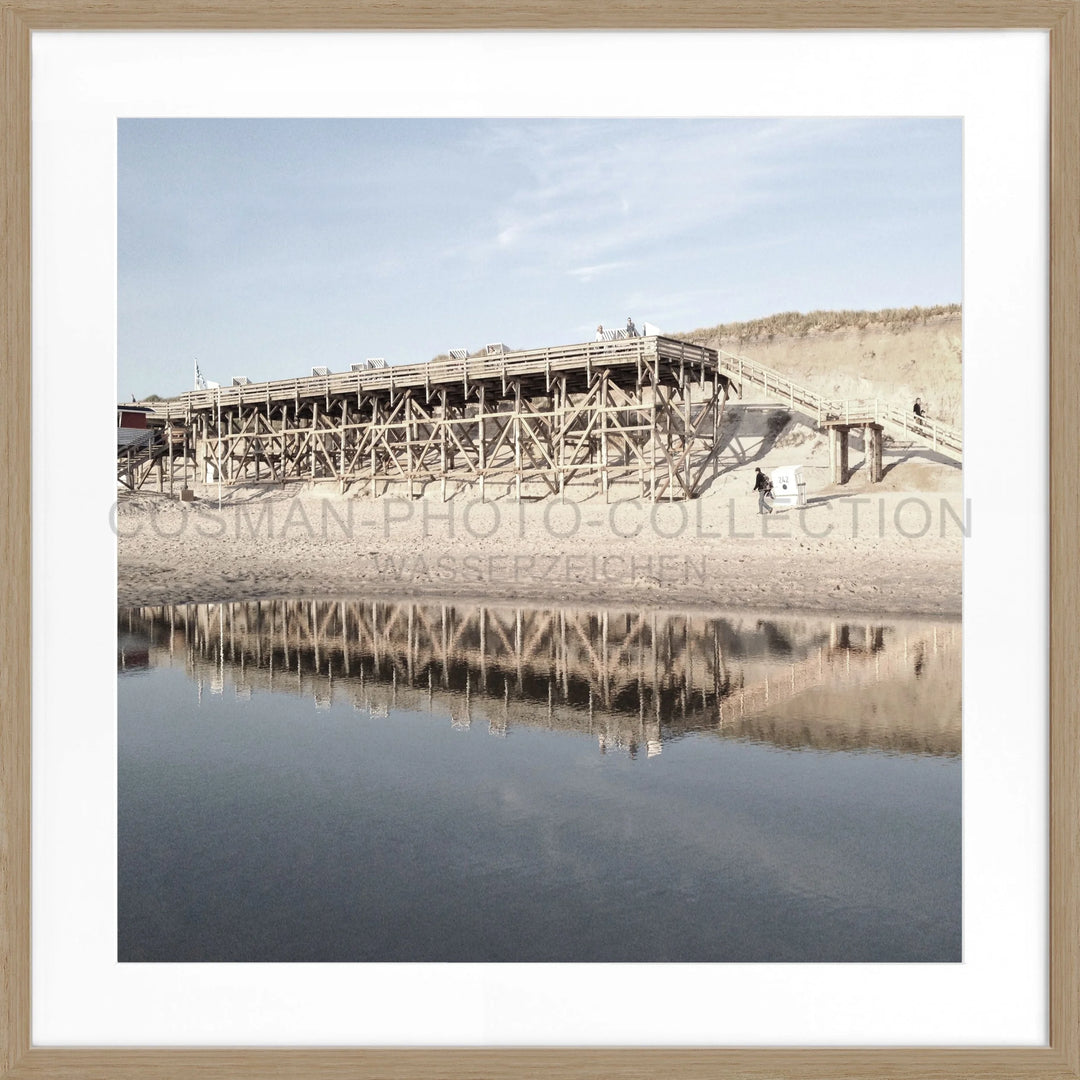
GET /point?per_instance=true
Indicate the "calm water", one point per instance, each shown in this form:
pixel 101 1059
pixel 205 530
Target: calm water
pixel 367 781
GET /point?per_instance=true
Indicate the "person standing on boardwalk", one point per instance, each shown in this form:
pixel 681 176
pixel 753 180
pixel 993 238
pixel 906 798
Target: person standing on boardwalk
pixel 918 411
pixel 631 329
pixel 763 487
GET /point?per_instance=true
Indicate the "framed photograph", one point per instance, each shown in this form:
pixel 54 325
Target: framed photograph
pixel 505 682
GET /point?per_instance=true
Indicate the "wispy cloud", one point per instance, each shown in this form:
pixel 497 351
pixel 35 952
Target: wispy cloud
pixel 508 236
pixel 588 273
pixel 592 192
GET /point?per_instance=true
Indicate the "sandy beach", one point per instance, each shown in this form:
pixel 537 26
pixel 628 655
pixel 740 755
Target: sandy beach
pixel 893 548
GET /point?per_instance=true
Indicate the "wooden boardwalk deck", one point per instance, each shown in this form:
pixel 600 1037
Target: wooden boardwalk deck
pixel 534 369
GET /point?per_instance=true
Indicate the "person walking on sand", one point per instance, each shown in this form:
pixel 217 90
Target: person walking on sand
pixel 763 487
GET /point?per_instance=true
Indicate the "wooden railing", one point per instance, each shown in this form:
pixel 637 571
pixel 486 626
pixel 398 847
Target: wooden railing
pixel 436 373
pixel 779 387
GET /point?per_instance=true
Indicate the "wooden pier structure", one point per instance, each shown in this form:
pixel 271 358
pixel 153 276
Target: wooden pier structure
pixel 628 678
pixel 644 409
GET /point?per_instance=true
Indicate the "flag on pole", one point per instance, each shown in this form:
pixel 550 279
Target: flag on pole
pixel 202 383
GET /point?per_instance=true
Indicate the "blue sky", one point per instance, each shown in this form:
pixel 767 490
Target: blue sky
pixel 264 247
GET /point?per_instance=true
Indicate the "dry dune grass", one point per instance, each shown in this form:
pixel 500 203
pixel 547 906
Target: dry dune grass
pixel 798 324
pixel 894 355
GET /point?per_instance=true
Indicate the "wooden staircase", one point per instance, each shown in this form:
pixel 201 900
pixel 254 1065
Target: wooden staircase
pixel 932 434
pixel 135 461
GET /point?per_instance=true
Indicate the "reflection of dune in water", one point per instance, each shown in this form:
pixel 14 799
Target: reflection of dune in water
pixel 631 680
pixel 900 714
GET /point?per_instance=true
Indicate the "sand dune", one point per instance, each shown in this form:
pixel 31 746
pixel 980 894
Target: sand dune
pixel 874 356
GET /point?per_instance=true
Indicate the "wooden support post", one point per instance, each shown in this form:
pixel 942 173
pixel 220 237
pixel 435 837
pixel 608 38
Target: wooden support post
pixel 198 438
pixel 688 432
pixel 561 411
pixel 409 470
pixel 481 440
pixel 517 438
pixel 604 402
pixel 669 441
pixel 442 442
pixel 374 422
pixel 838 452
pixel 654 443
pixel 874 435
pixel 341 438
pixel 227 463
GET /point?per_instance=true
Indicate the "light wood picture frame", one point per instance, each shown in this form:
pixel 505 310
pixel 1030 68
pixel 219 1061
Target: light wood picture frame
pixel 19 19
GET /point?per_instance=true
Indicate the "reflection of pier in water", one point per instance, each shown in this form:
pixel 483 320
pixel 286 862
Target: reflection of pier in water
pixel 631 679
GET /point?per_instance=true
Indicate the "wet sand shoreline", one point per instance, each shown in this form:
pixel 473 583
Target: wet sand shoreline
pixel 889 553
